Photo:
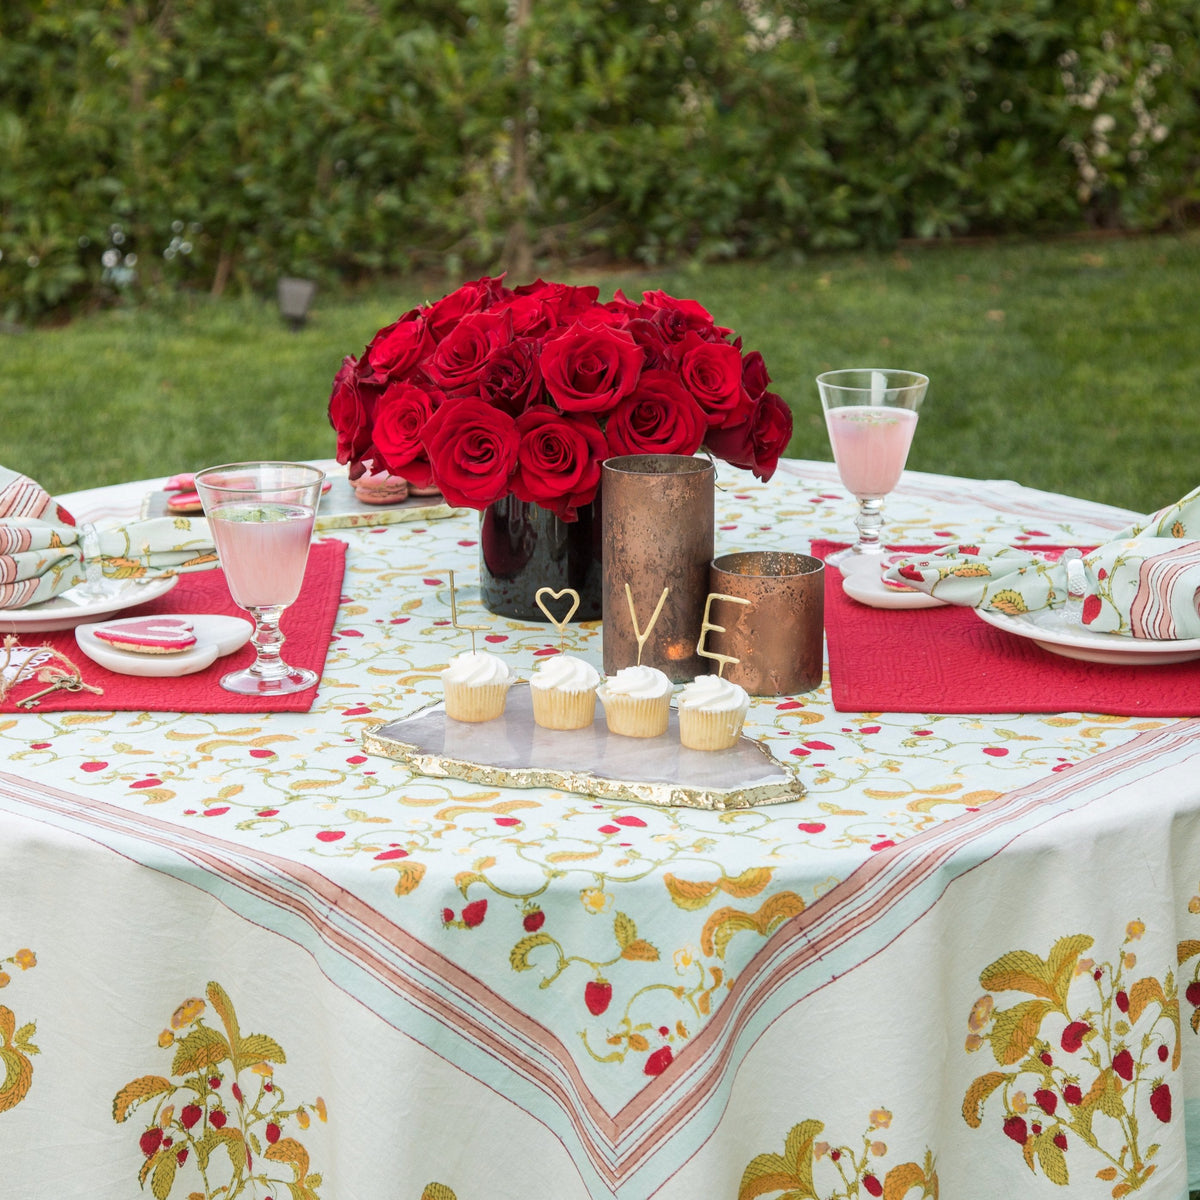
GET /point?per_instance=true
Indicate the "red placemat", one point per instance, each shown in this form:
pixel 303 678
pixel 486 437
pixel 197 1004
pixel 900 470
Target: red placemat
pixel 946 660
pixel 307 626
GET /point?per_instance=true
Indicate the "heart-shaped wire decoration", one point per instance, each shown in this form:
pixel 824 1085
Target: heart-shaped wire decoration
pixel 561 626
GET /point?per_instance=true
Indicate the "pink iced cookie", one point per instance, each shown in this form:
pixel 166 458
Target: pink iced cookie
pixel 184 502
pixel 148 635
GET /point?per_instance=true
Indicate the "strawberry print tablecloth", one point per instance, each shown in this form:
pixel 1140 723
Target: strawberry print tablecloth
pixel 239 957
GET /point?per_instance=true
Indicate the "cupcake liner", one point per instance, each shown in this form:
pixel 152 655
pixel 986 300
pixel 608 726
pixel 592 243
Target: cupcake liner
pixel 638 717
pixel 700 730
pixel 555 709
pixel 480 703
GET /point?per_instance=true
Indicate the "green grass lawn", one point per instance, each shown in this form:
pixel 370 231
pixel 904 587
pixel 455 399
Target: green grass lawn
pixel 1068 365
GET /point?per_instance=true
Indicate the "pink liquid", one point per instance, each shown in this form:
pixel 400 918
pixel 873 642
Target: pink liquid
pixel 870 445
pixel 263 549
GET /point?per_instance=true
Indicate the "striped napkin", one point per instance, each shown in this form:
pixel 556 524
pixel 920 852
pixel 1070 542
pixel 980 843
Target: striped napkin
pixel 43 553
pixel 1145 583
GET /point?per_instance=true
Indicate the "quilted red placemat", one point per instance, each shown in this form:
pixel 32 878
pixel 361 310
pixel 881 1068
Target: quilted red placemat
pixel 307 625
pixel 946 660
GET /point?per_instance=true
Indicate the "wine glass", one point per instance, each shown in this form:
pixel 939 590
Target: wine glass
pixel 871 416
pixel 261 516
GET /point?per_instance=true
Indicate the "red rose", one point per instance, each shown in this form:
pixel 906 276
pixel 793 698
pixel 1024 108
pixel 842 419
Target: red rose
pixel 625 308
pixel 531 316
pixel 754 375
pixel 558 461
pixel 712 372
pixel 540 306
pixel 661 417
pixel 590 368
pixel 461 355
pixel 512 378
pixel 351 411
pixel 444 314
pixel 401 415
pixel 678 317
pixel 398 347
pixel 756 444
pixel 649 335
pixel 472 448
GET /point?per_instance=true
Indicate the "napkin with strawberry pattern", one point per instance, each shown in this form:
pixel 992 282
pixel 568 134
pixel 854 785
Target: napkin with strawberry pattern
pixel 43 553
pixel 1145 583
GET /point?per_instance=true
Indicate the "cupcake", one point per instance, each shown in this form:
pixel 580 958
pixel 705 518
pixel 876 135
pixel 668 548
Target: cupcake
pixel 711 713
pixel 476 686
pixel 563 690
pixel 637 701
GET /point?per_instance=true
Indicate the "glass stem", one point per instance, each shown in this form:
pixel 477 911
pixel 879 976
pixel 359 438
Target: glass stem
pixel 869 521
pixel 267 641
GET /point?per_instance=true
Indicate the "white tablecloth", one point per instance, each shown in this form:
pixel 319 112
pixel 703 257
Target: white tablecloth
pixel 251 957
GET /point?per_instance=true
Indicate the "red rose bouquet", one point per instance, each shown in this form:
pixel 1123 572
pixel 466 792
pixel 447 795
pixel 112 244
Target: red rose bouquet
pixel 493 391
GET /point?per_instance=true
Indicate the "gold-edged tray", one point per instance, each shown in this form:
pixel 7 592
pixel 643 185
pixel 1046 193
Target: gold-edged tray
pixel 513 751
pixel 340 508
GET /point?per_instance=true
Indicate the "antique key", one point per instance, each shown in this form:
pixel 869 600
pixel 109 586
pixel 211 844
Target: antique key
pixel 64 683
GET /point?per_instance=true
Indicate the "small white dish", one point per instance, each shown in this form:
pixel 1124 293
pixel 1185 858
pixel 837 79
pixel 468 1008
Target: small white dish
pixel 862 580
pixel 215 636
pixel 72 607
pixel 1049 628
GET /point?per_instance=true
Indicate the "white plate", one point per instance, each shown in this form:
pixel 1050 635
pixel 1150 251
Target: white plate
pixel 1049 628
pixel 215 636
pixel 862 581
pixel 69 609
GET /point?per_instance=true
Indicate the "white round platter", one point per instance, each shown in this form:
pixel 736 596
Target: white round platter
pixel 1046 629
pixel 71 608
pixel 862 581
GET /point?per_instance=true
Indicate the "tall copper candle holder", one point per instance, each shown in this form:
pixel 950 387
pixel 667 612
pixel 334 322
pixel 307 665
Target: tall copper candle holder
pixel 657 518
pixel 776 641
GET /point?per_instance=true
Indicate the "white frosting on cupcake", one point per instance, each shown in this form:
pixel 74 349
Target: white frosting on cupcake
pixel 565 673
pixel 711 693
pixel 478 669
pixel 641 683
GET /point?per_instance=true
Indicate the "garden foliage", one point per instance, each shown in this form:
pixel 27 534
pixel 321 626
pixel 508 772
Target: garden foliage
pixel 152 144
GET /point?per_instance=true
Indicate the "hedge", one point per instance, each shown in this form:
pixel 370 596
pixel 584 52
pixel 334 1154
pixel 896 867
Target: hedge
pixel 151 146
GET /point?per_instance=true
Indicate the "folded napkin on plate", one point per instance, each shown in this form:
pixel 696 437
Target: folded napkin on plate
pixel 43 553
pixel 1145 583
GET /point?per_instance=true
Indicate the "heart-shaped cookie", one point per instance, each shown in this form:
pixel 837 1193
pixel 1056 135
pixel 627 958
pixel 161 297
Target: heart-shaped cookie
pixel 148 635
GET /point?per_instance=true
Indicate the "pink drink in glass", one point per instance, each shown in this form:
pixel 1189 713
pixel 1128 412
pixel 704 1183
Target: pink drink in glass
pixel 263 550
pixel 870 445
pixel 261 516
